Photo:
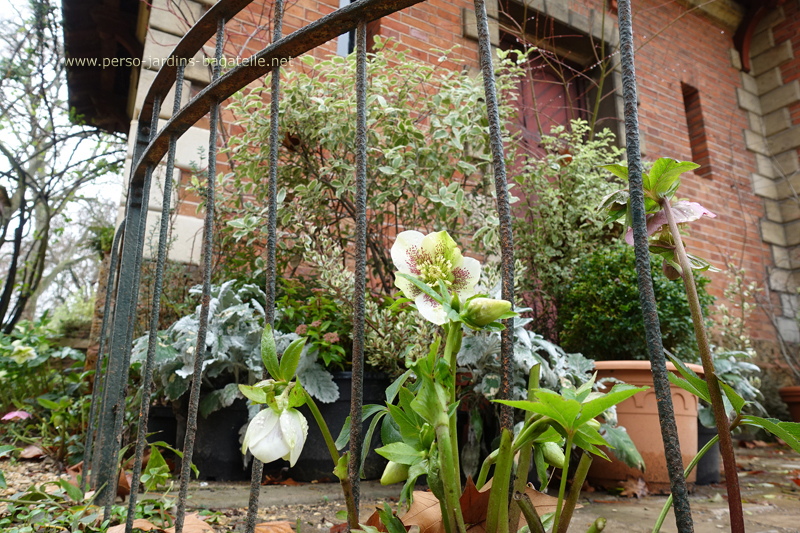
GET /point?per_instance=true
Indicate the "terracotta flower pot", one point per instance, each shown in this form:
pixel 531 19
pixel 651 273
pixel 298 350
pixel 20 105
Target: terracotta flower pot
pixel 639 415
pixel 791 397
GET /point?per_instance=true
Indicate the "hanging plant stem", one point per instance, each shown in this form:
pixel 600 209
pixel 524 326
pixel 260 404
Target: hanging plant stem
pixel 717 406
pixel 347 489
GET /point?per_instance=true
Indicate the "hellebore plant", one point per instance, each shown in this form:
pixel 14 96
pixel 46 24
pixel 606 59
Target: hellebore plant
pixel 419 431
pixel 666 216
pixel 280 430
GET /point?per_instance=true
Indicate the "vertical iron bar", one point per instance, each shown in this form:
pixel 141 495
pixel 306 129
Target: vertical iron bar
pixel 124 320
pixel 119 420
pixel 357 394
pixel 208 252
pixel 269 310
pixel 145 132
pixel 655 349
pixel 503 206
pixel 152 341
pixel 98 368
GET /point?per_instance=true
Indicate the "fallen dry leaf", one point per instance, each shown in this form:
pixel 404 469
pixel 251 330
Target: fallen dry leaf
pixel 139 523
pixel 474 504
pixel 339 528
pixel 31 452
pixel 634 488
pixel 274 527
pixel 124 484
pixel 192 524
pixel 73 472
pixel 374 520
pixel 426 513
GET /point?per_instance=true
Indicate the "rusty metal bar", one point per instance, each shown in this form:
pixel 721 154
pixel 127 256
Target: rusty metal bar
pixel 359 298
pixel 299 42
pixel 503 207
pixel 208 252
pixel 655 349
pixel 113 280
pixel 113 411
pixel 269 310
pixel 152 341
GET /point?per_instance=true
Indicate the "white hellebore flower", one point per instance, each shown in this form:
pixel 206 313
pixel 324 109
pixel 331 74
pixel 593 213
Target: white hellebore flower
pixel 272 436
pixel 431 258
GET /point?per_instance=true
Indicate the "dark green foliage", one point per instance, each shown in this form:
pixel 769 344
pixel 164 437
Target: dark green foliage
pixel 600 315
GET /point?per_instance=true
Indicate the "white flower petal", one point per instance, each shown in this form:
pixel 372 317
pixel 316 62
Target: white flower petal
pixel 270 448
pixel 259 426
pixel 264 437
pixel 405 250
pixel 295 430
pixel 430 310
pixel 466 277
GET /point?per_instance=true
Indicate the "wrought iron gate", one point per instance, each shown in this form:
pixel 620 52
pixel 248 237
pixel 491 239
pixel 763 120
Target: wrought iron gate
pixel 108 401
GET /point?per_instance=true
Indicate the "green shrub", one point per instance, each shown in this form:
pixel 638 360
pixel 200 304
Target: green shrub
pixel 428 163
pixel 557 225
pixel 600 315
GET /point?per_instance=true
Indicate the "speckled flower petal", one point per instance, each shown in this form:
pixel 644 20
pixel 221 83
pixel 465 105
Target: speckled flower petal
pixel 467 276
pixel 430 309
pixel 406 251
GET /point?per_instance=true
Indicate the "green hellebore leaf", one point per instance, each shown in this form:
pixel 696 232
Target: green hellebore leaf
pixel 618 393
pixel 401 453
pixel 789 432
pixel 619 171
pixel 291 358
pixel 269 354
pixel 624 448
pixel 421 285
pixel 255 394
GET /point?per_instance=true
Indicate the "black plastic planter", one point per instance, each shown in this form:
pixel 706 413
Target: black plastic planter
pixel 315 462
pixel 217 450
pixel 708 465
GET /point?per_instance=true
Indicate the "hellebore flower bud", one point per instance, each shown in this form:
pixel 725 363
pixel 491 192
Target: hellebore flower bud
pixel 593 423
pixel 271 436
pixel 483 311
pixel 553 454
pixel 394 473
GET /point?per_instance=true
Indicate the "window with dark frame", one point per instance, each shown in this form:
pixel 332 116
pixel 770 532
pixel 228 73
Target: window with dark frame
pixel 698 140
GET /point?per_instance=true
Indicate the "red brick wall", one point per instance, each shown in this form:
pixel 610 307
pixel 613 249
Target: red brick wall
pixel 695 52
pixel 692 51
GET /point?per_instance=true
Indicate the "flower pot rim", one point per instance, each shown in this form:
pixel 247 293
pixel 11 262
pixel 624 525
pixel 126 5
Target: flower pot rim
pixel 790 394
pixel 640 365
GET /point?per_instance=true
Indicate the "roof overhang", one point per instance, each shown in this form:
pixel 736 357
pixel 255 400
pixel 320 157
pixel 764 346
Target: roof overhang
pixel 101 44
